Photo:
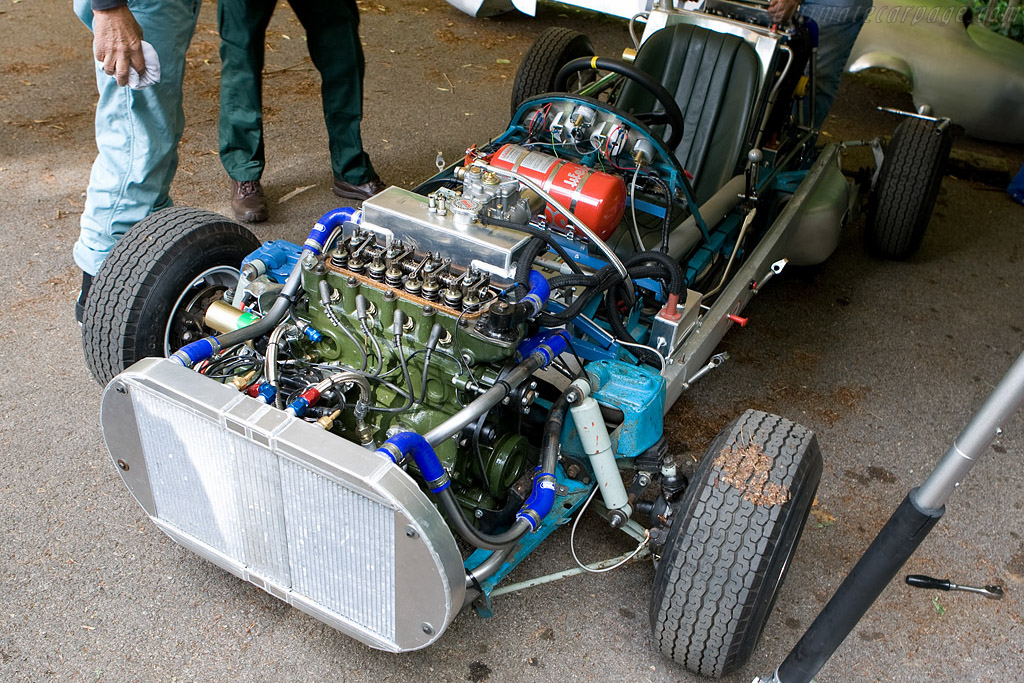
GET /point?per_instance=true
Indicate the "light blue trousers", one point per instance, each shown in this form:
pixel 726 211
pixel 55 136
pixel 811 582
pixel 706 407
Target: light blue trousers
pixel 137 132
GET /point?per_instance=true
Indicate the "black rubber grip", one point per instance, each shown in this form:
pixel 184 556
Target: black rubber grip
pixel 922 581
pixel 896 542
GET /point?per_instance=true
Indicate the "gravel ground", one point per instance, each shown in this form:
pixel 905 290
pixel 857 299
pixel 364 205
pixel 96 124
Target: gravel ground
pixel 886 361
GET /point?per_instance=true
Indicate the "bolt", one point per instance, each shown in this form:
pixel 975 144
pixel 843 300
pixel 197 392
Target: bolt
pixel 427 628
pixel 120 388
pixel 572 471
pixel 123 465
pixel 478 513
pixel 644 480
pixel 411 533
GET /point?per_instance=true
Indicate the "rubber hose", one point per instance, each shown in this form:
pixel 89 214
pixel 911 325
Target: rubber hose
pixel 552 434
pixel 648 356
pixel 536 232
pixel 549 458
pixel 608 277
pixel 524 265
pixel 675 282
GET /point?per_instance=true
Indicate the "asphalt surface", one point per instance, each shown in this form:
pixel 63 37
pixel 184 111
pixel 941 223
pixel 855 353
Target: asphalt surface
pixel 886 361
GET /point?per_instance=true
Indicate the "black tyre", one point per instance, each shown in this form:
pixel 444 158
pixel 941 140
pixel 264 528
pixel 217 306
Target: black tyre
pixel 908 184
pixel 553 49
pixel 151 293
pixel 731 542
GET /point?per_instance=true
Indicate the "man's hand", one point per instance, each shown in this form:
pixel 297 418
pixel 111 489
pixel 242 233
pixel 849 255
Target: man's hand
pixel 118 42
pixel 782 11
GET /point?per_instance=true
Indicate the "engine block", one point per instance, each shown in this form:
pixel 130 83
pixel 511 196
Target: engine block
pixel 380 307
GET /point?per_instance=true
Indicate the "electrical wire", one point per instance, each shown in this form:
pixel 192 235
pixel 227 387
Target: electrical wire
pixel 376 347
pixel 572 541
pixel 638 241
pixel 644 347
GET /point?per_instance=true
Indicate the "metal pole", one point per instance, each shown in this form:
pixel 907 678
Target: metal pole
pixel 975 439
pixel 901 535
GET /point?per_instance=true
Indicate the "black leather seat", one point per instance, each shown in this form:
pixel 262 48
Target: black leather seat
pixel 714 77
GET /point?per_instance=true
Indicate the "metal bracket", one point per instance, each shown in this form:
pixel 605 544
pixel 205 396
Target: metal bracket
pixel 776 268
pixel 715 361
pixel 942 121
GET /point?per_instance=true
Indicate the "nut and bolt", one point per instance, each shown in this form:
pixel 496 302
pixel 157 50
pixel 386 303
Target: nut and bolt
pixel 411 533
pixel 616 518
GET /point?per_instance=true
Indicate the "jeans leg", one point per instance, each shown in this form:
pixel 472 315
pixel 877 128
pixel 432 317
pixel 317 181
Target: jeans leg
pixel 835 44
pixel 332 31
pixel 243 28
pixel 137 133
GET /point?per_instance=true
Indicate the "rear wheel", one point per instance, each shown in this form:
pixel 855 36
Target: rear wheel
pixel 908 184
pixel 151 294
pixel 553 49
pixel 731 541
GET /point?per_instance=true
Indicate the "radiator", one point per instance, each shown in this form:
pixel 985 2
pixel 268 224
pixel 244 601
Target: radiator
pixel 317 521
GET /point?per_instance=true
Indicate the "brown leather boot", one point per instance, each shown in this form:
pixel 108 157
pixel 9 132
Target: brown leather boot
pixel 248 202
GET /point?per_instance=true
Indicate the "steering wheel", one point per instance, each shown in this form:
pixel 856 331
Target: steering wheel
pixel 673 116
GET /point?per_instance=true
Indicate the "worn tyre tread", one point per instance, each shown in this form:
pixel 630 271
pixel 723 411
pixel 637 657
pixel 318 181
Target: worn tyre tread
pixel 707 605
pixel 125 285
pixel 901 205
pixel 553 49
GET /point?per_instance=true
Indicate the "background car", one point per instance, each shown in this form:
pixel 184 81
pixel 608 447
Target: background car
pixel 957 68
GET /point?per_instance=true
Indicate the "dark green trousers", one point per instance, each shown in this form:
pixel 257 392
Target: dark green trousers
pixel 332 32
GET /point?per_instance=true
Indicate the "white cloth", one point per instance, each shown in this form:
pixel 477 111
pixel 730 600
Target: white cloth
pixel 152 74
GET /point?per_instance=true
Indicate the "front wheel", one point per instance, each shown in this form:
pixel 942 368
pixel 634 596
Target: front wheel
pixel 731 541
pixel 151 294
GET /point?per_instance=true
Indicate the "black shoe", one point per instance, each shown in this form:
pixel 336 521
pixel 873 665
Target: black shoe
pixel 358 192
pixel 82 296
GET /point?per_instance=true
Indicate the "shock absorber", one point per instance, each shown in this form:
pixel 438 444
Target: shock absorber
pixel 586 415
